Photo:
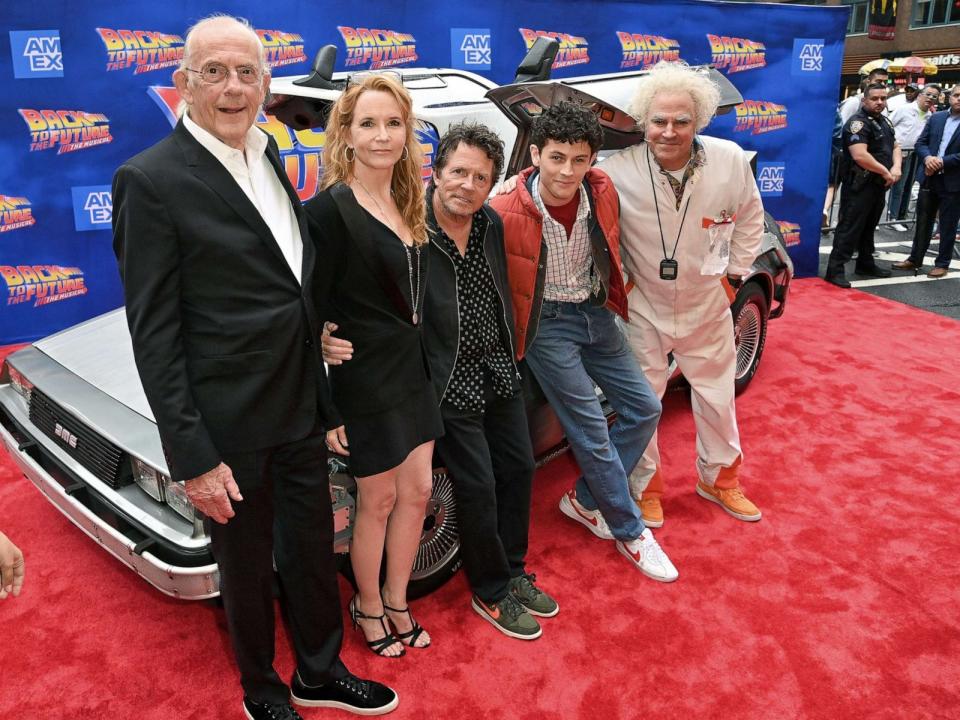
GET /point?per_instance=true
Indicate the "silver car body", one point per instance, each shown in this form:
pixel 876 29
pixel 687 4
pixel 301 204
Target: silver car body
pixel 88 419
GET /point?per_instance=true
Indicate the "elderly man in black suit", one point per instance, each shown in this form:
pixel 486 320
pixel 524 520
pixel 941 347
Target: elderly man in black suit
pixel 217 268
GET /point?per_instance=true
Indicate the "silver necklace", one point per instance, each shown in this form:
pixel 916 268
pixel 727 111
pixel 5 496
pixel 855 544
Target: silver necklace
pixel 414 296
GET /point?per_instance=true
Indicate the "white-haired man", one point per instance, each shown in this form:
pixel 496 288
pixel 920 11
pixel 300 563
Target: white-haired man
pixel 217 269
pixel 691 225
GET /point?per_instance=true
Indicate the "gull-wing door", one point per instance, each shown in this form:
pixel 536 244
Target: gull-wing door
pixel 608 96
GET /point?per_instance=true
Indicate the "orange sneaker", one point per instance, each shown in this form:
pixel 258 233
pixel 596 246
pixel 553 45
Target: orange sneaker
pixel 652 511
pixel 732 500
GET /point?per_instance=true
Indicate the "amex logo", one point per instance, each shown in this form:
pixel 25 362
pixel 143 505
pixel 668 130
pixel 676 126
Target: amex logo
pixel 770 177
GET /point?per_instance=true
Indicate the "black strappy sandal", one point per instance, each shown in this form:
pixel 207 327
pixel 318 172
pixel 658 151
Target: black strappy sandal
pixel 410 637
pixel 376 646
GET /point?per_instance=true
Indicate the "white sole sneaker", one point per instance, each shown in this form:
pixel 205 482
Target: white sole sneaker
pixel 650 566
pixel 509 633
pixel 591 524
pixel 717 501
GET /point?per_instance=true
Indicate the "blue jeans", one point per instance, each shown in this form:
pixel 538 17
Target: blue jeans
pixel 896 195
pixel 576 345
pixel 902 187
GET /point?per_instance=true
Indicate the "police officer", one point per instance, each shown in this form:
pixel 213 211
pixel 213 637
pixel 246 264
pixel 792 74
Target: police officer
pixel 871 164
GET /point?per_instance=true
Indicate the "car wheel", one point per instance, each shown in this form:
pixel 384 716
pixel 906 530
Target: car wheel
pixel 438 556
pixel 750 313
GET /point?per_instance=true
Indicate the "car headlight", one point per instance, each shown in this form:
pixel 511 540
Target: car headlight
pixel 148 478
pixel 175 495
pixel 20 383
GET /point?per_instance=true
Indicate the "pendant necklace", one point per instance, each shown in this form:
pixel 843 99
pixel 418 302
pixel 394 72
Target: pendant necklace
pixel 414 295
pixel 669 267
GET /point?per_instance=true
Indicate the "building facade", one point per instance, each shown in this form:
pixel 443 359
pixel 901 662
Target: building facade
pixel 926 28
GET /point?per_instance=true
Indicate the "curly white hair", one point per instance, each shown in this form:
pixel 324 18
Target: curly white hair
pixel 676 77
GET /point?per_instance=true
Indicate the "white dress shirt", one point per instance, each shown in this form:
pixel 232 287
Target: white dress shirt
pixel 256 177
pixel 849 107
pixel 908 121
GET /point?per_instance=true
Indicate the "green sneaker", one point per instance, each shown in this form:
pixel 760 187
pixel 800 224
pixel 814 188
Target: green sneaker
pixel 535 600
pixel 509 617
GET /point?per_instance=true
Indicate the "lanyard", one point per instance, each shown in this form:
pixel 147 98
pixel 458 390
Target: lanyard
pixel 656 205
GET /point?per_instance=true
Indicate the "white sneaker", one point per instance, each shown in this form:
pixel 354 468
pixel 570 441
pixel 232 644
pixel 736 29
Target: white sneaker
pixel 590 519
pixel 899 227
pixel 645 553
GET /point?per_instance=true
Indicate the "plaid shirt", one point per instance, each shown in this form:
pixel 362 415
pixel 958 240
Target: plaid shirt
pixel 570 276
pixel 697 158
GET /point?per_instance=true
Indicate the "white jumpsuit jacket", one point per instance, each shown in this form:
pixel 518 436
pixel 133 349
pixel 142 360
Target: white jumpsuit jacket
pixel 722 228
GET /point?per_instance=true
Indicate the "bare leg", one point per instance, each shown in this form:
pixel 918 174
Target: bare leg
pixel 828 205
pixel 376 498
pixel 414 482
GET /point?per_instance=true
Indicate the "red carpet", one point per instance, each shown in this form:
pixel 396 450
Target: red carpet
pixel 841 603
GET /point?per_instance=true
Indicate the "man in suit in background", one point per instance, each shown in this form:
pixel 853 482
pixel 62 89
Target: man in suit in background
pixel 217 265
pixel 938 149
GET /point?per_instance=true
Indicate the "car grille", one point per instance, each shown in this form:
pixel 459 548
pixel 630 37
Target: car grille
pixel 96 454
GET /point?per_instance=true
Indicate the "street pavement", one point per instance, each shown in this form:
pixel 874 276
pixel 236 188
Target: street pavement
pixel 940 295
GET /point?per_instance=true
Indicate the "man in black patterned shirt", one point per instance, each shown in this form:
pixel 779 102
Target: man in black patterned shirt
pixel 468 333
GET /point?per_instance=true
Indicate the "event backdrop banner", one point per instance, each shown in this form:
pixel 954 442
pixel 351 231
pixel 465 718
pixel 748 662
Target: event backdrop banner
pixel 88 85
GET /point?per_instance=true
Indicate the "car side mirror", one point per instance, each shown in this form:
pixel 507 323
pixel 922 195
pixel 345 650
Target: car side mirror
pixel 538 62
pixel 321 76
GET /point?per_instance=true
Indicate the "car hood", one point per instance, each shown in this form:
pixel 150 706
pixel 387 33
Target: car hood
pixel 99 351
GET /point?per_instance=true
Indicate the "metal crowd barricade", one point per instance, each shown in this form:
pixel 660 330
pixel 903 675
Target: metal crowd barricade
pixel 905 212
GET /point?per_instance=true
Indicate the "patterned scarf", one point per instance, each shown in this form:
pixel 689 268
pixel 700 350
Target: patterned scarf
pixel 697 158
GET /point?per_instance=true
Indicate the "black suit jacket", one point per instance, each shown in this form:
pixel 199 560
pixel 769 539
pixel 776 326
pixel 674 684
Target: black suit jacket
pixel 361 294
pixel 225 338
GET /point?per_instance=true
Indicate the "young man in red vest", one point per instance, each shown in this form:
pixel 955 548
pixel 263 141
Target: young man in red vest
pixel 561 234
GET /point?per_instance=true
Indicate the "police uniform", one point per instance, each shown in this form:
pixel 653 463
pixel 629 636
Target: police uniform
pixel 862 194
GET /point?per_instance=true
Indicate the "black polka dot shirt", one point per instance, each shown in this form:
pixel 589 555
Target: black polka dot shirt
pixel 481 352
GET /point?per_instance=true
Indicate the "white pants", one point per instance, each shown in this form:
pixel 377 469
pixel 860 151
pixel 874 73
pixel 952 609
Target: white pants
pixel 707 357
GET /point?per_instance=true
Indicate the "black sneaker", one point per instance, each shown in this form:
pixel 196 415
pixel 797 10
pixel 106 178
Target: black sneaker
pixel 350 693
pixel 265 711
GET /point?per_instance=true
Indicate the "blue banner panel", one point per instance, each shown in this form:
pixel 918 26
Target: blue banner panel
pixel 91 90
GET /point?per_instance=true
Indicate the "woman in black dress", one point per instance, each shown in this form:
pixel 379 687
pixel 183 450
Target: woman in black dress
pixel 370 229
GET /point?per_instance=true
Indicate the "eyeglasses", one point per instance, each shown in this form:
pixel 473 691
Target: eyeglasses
pixel 215 73
pixel 358 78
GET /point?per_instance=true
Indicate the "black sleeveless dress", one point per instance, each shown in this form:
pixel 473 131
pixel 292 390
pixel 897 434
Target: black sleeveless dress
pixel 381 440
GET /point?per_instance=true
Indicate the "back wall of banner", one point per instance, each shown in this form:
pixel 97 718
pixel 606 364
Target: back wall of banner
pixel 88 86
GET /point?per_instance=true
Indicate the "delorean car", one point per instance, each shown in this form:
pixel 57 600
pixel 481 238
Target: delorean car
pixel 74 418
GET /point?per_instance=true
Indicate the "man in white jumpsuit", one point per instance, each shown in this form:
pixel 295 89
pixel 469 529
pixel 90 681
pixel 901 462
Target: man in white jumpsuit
pixel 691 225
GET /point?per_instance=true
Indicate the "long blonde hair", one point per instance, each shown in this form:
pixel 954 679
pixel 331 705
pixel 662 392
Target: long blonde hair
pixel 407 181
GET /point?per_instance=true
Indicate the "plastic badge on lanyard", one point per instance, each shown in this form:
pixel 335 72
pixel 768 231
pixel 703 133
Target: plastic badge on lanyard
pixel 720 232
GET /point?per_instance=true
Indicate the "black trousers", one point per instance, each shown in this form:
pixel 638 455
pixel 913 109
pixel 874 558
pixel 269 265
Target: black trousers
pixel 860 210
pixel 285 517
pixel 934 199
pixel 490 459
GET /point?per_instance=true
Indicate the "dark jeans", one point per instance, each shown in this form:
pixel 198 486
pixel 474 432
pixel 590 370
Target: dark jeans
pixel 860 210
pixel 490 460
pixel 934 198
pixel 285 517
pixel 900 190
